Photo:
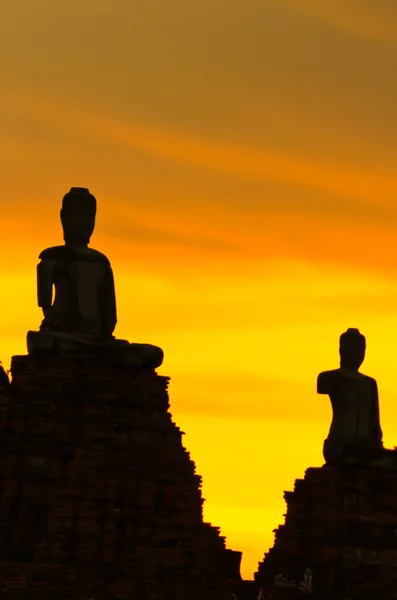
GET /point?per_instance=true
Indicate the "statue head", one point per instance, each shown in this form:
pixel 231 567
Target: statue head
pixel 352 349
pixel 78 216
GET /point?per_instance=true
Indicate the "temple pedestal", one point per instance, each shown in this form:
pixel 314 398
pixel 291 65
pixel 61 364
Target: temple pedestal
pixel 342 524
pixel 98 497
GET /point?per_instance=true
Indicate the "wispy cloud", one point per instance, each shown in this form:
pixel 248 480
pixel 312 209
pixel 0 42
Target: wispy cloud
pixel 144 235
pixel 366 19
pixel 272 205
pixel 262 164
pixel 248 163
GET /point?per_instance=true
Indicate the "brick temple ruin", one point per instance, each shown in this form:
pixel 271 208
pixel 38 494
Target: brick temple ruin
pixel 99 498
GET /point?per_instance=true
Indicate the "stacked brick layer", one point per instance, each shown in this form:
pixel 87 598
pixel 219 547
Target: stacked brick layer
pixel 98 497
pixel 342 524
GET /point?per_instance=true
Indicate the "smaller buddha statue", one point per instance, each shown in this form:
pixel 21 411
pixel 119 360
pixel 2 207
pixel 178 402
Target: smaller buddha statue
pixel 82 316
pixel 355 435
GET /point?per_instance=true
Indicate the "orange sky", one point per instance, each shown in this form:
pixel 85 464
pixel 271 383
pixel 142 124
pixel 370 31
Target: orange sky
pixel 243 157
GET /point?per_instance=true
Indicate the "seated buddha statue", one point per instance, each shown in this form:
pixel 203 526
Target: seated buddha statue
pixel 81 317
pixel 355 435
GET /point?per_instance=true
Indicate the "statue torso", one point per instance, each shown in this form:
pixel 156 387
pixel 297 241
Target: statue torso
pixel 354 400
pixel 81 277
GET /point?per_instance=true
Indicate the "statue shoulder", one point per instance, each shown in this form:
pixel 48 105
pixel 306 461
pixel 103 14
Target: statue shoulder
pixel 97 256
pixel 326 379
pixel 65 253
pixel 370 380
pixel 52 253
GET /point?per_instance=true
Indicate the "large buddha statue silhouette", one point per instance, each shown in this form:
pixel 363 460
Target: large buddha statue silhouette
pixel 82 316
pixel 355 435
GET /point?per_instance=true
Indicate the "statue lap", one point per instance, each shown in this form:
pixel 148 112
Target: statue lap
pixel 113 350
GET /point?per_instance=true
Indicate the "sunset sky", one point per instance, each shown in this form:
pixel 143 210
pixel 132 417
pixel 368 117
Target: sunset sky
pixel 243 155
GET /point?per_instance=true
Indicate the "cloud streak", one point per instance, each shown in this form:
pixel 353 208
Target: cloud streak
pixel 374 20
pixel 234 160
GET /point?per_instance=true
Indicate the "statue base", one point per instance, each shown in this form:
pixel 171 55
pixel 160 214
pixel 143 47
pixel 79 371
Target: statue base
pixel 110 351
pixel 360 453
pixel 339 524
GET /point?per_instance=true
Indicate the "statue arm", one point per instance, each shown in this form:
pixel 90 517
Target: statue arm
pixel 377 425
pixel 111 312
pixel 45 281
